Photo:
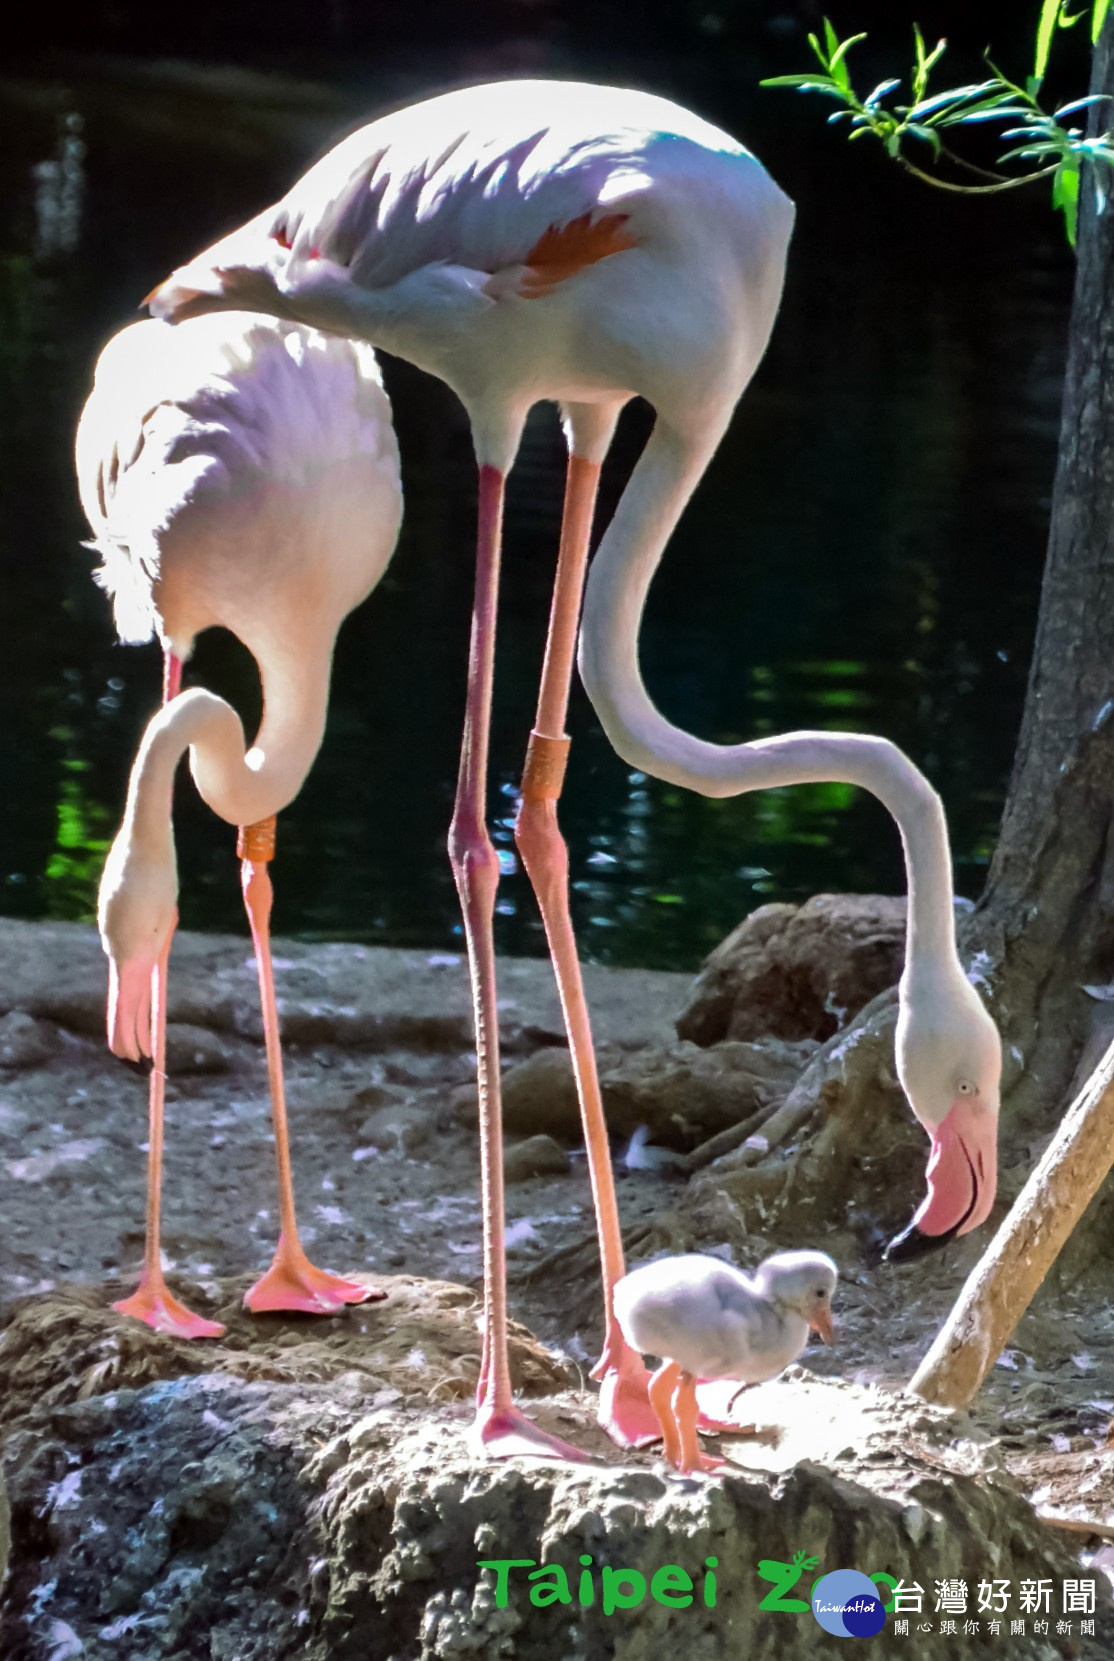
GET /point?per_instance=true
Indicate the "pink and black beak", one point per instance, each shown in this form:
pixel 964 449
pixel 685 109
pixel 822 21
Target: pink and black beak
pixel 129 1014
pixel 962 1181
pixel 823 1325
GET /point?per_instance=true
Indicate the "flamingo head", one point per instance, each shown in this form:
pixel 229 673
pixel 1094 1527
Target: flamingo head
pixel 949 1061
pixel 241 272
pixel 136 913
pixel 802 1282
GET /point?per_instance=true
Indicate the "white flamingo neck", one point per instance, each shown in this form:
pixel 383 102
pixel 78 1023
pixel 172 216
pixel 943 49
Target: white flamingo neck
pixel 242 785
pixel 615 598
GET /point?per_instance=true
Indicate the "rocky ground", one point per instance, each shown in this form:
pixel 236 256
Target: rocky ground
pixel 303 1488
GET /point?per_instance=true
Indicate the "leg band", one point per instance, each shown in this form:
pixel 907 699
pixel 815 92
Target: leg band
pixel 257 842
pixel 544 772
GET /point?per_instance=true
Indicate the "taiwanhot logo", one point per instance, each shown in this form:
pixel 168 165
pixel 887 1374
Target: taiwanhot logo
pixel 847 1604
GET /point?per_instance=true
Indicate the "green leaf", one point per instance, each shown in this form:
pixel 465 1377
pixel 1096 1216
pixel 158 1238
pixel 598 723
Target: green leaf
pixel 880 91
pixel 819 50
pixel 1031 152
pixel 1050 11
pixel 955 95
pixel 813 82
pixel 925 133
pixel 935 55
pixel 919 76
pixel 1098 18
pixel 994 110
pixel 1065 195
pixel 831 39
pixel 1083 103
pixel 838 66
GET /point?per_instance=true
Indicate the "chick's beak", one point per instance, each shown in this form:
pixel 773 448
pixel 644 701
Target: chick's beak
pixel 823 1325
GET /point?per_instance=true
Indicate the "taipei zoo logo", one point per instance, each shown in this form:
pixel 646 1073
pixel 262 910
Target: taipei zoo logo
pixel 845 1602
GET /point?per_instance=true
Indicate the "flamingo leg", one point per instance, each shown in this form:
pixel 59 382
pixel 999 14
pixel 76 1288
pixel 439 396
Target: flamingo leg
pixel 292 1282
pixel 500 1429
pixel 660 1393
pixel 152 1300
pixel 625 1411
pixel 686 1413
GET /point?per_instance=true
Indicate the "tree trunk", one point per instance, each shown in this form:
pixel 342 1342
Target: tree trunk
pixel 1046 921
pixel 1044 929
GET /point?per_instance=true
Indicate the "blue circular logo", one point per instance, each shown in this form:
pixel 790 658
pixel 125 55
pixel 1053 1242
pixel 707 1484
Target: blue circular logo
pixel 847 1604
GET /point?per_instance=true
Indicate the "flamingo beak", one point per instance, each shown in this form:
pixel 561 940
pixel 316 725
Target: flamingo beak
pixel 823 1325
pixel 129 1012
pixel 962 1181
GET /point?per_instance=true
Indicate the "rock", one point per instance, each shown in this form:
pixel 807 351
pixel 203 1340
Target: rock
pixel 683 1093
pixel 336 1517
pixel 680 1092
pixel 843 1148
pixel 370 1097
pixel 538 1156
pixel 395 1127
pixel 65 1347
pixel 192 1049
pixel 539 1096
pixel 5 1529
pixel 797 971
pixel 26 1042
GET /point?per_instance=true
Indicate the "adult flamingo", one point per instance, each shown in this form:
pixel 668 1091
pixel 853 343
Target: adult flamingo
pixel 533 240
pixel 240 472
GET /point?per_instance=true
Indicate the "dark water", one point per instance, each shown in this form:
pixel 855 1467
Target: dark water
pixel 864 553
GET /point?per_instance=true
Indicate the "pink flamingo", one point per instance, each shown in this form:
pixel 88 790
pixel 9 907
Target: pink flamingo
pixel 546 240
pixel 238 472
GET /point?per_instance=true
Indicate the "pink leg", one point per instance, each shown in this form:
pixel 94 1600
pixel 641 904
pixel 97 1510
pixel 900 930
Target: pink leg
pixel 291 1282
pixel 500 1428
pixel 686 1414
pixel 660 1392
pixel 625 1411
pixel 152 1300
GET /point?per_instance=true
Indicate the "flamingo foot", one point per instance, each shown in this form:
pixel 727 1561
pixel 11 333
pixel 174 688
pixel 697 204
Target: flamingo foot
pixel 509 1434
pixel 707 1463
pixel 293 1284
pixel 624 1411
pixel 153 1303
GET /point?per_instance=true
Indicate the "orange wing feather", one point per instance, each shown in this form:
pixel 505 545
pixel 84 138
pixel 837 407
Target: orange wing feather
pixel 564 250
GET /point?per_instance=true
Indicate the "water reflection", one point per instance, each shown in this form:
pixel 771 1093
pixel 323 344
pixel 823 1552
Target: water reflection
pixel 59 192
pixel 863 555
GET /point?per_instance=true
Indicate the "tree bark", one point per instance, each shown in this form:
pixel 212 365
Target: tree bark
pixel 1012 1269
pixel 1044 929
pixel 1046 921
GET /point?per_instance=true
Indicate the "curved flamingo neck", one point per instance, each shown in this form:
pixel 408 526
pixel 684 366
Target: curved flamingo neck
pixel 242 785
pixel 618 584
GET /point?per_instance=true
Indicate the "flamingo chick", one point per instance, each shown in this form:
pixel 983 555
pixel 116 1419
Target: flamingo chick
pixel 244 473
pixel 708 1320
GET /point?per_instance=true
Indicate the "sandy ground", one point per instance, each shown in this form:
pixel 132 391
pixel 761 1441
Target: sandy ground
pixel 72 1167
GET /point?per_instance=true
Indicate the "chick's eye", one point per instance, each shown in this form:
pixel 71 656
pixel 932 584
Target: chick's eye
pixel 821 1292
pixel 965 1087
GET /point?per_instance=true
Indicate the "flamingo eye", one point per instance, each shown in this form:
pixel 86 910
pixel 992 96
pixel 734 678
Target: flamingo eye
pixel 965 1087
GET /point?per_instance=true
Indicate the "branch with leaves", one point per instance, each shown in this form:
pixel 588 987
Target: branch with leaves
pixel 1041 138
